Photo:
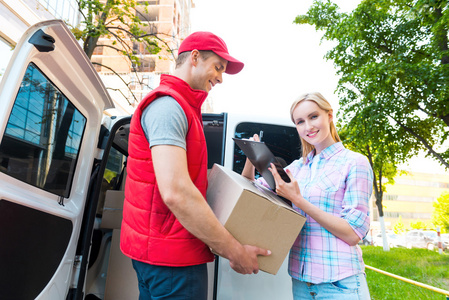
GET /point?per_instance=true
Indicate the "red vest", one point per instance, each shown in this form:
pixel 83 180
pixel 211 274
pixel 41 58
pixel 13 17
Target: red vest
pixel 150 232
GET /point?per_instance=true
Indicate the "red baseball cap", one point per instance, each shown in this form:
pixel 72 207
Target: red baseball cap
pixel 203 40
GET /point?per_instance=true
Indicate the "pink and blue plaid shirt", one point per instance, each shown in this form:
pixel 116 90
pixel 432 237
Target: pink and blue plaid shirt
pixel 342 185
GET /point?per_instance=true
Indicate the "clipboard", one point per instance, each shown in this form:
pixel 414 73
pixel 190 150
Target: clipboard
pixel 261 157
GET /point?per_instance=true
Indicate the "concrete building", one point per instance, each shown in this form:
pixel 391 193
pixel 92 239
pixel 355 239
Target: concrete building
pixel 17 15
pixel 412 195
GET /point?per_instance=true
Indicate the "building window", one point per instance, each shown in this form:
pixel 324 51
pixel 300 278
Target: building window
pixel 388 214
pixel 409 215
pixel 408 198
pixel 147 64
pixel 132 83
pixel 412 182
pixel 145 82
pixel 151 28
pixel 148 13
pixel 141 48
pixel 148 2
pixel 391 197
pixel 63 9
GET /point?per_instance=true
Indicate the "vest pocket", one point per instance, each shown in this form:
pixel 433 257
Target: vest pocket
pixel 169 220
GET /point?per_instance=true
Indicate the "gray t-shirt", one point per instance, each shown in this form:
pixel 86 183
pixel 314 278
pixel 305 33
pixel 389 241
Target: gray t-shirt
pixel 165 123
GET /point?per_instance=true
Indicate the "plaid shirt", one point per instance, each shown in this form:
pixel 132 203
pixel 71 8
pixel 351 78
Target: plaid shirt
pixel 342 186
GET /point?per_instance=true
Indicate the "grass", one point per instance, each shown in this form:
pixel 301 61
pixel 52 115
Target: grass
pixel 420 265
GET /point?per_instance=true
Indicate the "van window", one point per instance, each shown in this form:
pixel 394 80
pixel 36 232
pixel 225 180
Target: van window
pixel 283 141
pixel 43 136
pixel 113 178
pixel 114 166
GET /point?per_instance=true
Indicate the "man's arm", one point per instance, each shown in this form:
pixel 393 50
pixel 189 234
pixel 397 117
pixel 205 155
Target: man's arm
pixel 188 205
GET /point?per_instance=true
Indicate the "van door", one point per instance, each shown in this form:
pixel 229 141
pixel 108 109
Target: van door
pixel 51 109
pixel 281 137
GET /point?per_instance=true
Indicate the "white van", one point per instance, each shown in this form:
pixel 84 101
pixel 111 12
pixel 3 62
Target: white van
pixel 62 172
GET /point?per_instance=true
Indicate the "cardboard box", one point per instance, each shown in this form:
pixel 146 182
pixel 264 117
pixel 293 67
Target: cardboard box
pixel 113 209
pixel 121 279
pixel 254 215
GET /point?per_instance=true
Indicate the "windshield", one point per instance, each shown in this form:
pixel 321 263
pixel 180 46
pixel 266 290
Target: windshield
pixel 431 234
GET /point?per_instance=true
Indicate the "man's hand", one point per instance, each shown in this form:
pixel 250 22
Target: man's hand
pixel 245 262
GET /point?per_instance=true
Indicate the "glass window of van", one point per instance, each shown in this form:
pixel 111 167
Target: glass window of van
pixel 41 143
pixel 283 141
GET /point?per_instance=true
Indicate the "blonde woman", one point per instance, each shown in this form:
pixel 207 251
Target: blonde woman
pixel 331 186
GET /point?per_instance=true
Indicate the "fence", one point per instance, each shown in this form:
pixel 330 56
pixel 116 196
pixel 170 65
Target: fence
pixel 434 289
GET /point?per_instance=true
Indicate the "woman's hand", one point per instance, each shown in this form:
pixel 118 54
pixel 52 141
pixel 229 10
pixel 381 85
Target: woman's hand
pixel 249 169
pixel 336 225
pixel 255 138
pixel 289 190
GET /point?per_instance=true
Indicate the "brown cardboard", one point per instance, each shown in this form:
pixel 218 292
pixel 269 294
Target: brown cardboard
pixel 121 279
pixel 113 209
pixel 254 215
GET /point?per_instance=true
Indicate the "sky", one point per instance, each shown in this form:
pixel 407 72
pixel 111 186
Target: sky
pixel 282 60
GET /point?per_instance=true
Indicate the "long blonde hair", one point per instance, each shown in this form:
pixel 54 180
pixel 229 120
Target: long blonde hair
pixel 324 105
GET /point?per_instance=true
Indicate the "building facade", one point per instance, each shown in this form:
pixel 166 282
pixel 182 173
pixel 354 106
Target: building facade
pixel 410 199
pixel 17 15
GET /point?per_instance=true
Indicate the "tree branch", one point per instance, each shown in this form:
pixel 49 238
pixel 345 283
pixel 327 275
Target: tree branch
pixel 127 85
pixel 155 35
pixel 423 141
pixel 413 133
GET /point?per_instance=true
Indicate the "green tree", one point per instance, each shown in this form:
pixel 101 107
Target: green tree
pixel 368 132
pixel 122 22
pixel 399 227
pixel 440 216
pixel 418 225
pixel 392 56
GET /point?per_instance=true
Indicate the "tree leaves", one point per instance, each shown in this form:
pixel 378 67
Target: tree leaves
pixel 440 216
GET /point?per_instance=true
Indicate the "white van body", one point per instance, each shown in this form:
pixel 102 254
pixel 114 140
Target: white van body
pixel 62 169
